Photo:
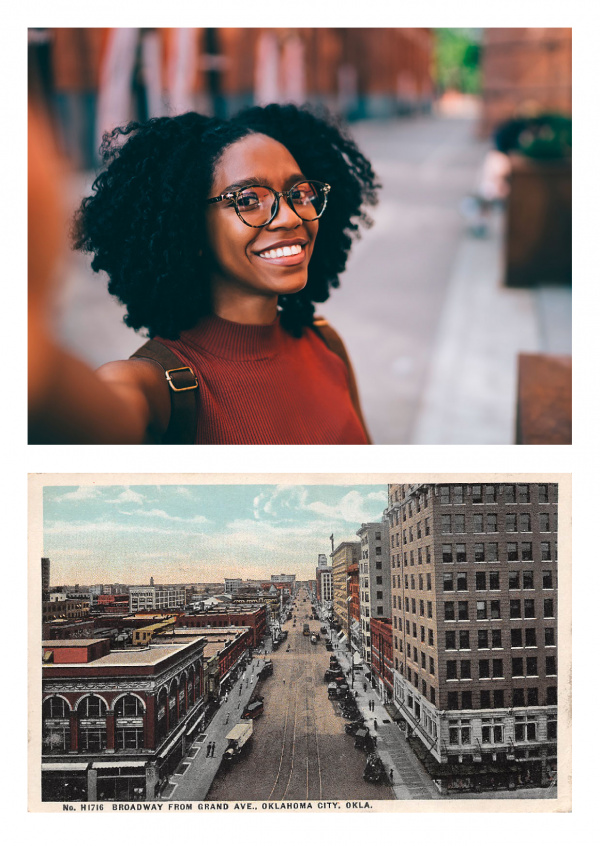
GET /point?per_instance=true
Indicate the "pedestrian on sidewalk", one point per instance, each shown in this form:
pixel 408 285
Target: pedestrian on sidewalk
pixel 375 724
pixel 391 775
pixel 365 687
pixel 227 718
pixel 212 750
pixel 208 751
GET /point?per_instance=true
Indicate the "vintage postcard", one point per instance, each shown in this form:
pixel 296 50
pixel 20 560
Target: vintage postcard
pixel 309 642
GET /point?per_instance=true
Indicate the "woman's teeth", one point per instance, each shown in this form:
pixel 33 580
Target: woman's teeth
pixel 282 251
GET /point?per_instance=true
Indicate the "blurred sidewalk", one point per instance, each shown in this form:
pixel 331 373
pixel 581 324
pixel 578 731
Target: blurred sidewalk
pixel 469 396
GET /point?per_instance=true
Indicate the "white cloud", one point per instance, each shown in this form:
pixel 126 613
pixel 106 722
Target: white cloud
pixel 128 496
pixel 78 495
pixel 197 519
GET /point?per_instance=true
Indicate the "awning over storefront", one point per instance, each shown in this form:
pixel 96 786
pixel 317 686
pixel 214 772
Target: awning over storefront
pixel 65 765
pixel 115 765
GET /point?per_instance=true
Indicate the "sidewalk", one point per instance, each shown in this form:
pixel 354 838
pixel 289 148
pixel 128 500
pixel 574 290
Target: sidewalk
pixel 469 395
pixel 195 774
pixel 410 781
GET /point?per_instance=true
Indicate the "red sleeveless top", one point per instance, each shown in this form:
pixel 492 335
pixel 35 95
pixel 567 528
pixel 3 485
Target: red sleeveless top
pixel 260 385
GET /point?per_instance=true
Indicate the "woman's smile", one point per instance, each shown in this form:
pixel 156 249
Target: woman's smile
pixel 285 253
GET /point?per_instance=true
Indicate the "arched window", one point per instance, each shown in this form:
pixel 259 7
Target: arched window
pixel 56 726
pixel 91 707
pixel 129 706
pixel 161 716
pixel 92 724
pixel 129 726
pixel 173 703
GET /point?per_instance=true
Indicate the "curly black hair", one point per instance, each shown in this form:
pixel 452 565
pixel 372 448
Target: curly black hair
pixel 145 221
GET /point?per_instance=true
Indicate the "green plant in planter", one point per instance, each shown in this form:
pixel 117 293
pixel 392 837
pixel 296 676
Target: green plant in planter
pixel 546 137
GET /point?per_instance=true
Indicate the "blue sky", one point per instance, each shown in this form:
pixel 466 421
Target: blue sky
pixel 186 533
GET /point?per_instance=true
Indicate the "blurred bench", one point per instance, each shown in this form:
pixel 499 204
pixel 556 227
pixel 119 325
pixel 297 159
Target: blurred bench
pixel 544 399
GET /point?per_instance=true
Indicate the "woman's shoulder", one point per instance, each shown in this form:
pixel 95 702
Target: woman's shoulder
pixel 142 382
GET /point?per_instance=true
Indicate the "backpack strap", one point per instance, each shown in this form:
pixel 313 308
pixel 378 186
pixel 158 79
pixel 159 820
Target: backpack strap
pixel 182 381
pixel 332 340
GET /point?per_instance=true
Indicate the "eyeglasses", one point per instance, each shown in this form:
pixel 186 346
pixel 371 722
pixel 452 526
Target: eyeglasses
pixel 257 205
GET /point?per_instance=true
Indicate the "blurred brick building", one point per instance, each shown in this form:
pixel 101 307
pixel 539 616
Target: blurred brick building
pixel 94 79
pixel 524 71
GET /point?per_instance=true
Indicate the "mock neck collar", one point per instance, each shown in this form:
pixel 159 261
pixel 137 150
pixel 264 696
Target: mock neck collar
pixel 235 341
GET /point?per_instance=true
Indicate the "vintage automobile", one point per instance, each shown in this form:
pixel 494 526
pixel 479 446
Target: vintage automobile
pixel 354 726
pixel 374 770
pixel 253 710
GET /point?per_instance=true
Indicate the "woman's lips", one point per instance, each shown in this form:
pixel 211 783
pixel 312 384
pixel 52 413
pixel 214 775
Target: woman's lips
pixel 297 255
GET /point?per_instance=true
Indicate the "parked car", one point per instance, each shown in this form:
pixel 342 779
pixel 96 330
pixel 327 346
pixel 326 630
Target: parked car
pixel 374 770
pixel 266 670
pixel 253 710
pixel 354 726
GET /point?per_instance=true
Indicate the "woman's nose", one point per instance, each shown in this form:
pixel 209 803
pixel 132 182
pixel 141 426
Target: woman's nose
pixel 285 216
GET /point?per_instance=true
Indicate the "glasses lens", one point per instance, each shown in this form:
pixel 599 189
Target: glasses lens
pixel 255 204
pixel 308 199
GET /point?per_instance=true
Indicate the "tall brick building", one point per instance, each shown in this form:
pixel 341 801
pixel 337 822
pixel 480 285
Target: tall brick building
pixel 343 557
pixel 375 580
pixel 474 622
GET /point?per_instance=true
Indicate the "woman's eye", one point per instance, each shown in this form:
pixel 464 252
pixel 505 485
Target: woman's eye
pixel 247 201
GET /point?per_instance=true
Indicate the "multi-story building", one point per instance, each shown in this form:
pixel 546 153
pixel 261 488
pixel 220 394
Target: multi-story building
pixel 116 724
pixel 382 657
pixel 353 607
pixel 230 645
pixel 374 580
pixel 474 617
pixel 324 584
pixel 68 609
pixel 342 557
pixel 254 617
pixel 233 585
pixel 287 580
pixel 152 597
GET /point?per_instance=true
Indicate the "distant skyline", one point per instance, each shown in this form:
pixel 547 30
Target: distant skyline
pixel 198 533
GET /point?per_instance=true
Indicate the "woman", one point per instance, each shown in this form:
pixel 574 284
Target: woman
pixel 219 237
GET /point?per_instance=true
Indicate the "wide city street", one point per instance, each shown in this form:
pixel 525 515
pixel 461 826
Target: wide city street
pixel 299 749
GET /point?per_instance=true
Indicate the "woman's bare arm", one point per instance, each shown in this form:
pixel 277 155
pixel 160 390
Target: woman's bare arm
pixel 124 402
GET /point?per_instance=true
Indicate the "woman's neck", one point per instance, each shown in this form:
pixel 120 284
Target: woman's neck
pixel 259 311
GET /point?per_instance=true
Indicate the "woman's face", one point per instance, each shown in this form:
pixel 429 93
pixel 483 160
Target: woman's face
pixel 242 259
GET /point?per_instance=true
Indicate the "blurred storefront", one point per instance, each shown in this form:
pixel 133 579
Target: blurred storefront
pixel 96 79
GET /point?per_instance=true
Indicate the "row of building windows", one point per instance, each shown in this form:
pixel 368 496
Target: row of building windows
pixel 494 668
pixel 490 580
pixel 492 609
pixel 508 494
pixel 490 551
pixel 461 639
pixel 493 730
pixel 521 697
pixel 456 523
pixel 484 609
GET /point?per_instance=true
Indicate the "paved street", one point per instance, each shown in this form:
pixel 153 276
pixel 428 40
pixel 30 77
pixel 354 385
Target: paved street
pixel 433 334
pixel 299 749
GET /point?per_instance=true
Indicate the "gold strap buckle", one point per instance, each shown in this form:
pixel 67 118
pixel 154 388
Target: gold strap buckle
pixel 177 370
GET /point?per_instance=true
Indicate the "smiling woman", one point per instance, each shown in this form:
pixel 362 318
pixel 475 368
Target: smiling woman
pixel 219 237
